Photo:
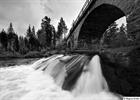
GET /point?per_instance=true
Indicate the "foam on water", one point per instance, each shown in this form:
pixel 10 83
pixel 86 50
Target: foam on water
pixel 91 81
pixel 26 83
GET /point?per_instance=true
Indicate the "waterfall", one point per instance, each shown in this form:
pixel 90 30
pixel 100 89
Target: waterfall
pixel 59 77
pixel 91 80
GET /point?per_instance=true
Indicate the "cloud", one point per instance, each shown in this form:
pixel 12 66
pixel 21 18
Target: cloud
pixel 21 13
pixel 68 9
pixel 24 12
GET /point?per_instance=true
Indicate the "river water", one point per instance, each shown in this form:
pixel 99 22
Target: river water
pixel 49 78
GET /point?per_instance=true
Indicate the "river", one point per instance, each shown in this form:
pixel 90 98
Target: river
pixel 50 78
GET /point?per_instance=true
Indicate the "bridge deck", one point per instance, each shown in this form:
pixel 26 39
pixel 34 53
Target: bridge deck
pixel 81 15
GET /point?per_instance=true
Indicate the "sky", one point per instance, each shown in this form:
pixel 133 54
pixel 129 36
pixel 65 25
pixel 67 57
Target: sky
pixel 23 13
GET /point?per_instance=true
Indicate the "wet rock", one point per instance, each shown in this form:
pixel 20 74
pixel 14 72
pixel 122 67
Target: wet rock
pixel 123 78
pixel 74 69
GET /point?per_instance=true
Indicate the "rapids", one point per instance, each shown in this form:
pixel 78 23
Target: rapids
pixel 46 78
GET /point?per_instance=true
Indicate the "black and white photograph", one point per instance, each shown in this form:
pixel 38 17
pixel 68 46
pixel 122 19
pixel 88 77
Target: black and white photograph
pixel 69 49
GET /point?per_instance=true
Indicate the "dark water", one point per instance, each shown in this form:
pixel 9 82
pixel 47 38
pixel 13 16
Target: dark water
pixel 16 61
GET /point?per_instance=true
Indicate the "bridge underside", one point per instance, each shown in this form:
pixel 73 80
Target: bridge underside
pixel 98 21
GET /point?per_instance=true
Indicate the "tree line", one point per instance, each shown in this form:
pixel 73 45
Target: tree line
pixel 46 38
pixel 116 36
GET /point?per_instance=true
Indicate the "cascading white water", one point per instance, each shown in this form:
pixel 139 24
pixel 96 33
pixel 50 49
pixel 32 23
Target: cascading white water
pixel 91 81
pixel 30 82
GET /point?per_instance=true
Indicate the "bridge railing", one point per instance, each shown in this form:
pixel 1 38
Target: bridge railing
pixel 87 3
pixel 83 9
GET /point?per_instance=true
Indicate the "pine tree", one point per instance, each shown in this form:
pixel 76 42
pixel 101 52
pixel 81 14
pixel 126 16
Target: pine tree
pixel 45 34
pixel 12 39
pixel 33 30
pixel 53 37
pixel 3 39
pixel 45 23
pixel 16 43
pixel 22 45
pixel 33 43
pixel 29 32
pixel 10 29
pixel 47 28
pixel 41 38
pixel 61 29
pixel 110 34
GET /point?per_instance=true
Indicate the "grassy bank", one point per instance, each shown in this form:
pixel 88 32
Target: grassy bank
pixel 31 54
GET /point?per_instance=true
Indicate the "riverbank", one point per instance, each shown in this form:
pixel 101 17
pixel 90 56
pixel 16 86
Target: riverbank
pixel 39 54
pixel 12 58
pixel 31 54
pixel 116 55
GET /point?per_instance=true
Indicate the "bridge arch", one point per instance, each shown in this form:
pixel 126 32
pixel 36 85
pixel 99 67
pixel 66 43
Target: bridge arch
pixel 97 21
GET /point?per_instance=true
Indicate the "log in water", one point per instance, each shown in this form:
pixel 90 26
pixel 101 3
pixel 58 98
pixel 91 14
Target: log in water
pixel 76 77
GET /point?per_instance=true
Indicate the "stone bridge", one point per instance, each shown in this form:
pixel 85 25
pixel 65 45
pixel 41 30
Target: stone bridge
pixel 97 15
